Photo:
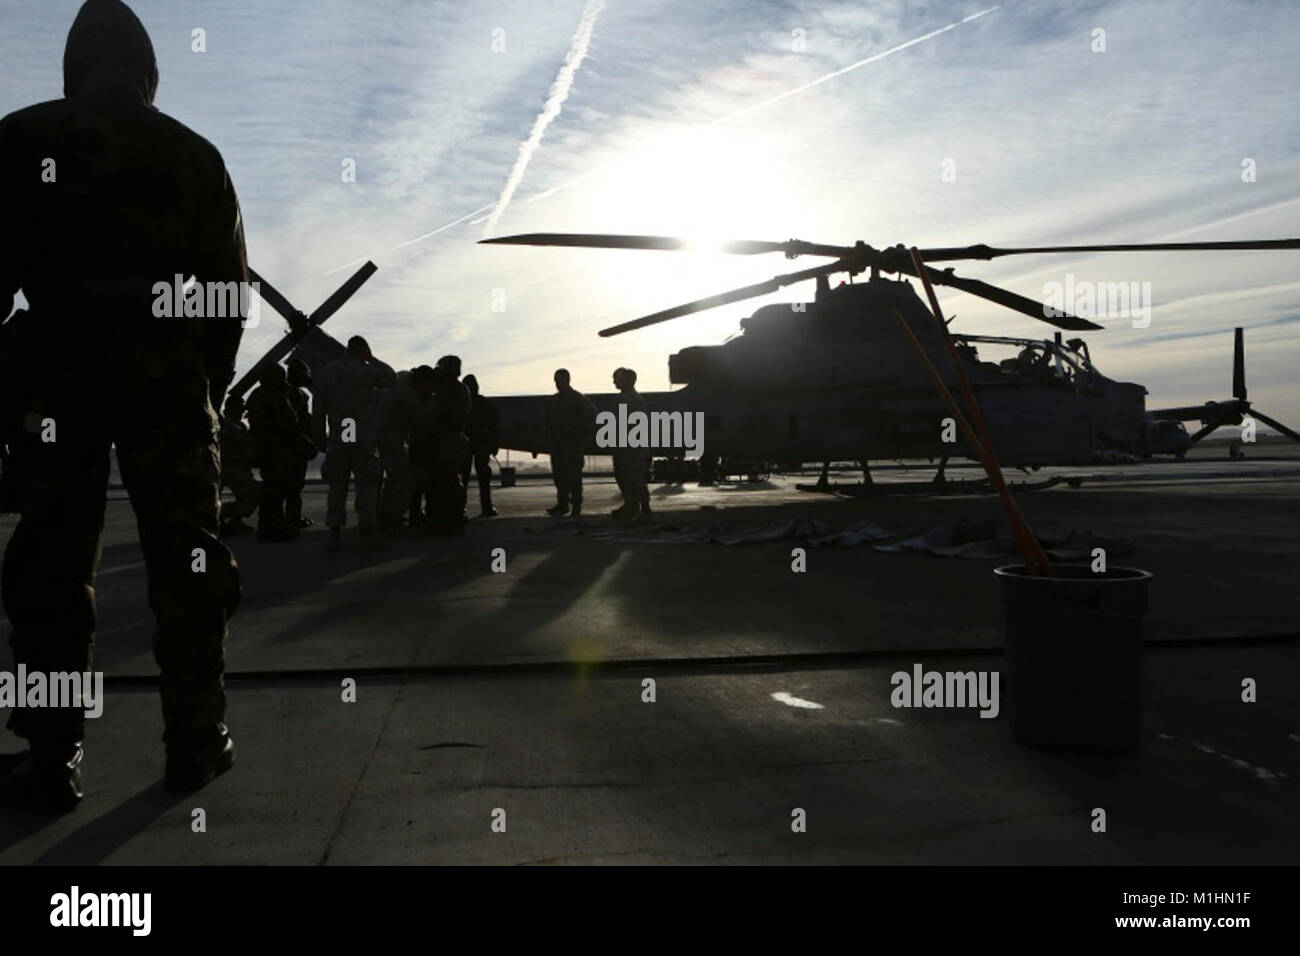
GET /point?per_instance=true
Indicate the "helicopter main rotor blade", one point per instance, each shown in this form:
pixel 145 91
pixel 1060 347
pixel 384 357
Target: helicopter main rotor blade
pixel 990 252
pixel 739 247
pixel 272 355
pixel 342 294
pixel 1009 299
pixel 299 325
pixel 272 297
pixel 724 298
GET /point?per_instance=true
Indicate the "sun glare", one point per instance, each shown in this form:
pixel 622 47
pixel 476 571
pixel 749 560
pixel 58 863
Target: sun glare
pixel 702 185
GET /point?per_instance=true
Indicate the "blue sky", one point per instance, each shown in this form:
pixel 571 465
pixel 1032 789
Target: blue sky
pixel 1051 143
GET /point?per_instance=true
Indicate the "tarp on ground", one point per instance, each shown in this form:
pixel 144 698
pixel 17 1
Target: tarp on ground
pixel 979 539
pixel 961 539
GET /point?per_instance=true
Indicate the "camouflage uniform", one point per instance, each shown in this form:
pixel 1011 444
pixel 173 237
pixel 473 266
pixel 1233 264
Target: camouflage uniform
pixel 422 453
pixel 482 431
pixel 399 407
pixel 570 421
pixel 237 469
pixel 451 418
pixel 632 465
pixel 348 391
pixel 277 447
pixel 136 199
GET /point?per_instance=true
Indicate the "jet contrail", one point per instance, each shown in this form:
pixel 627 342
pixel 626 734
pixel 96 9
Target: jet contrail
pixel 523 160
pixel 555 98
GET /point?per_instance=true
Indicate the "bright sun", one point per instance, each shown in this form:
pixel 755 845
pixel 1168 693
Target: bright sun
pixel 704 185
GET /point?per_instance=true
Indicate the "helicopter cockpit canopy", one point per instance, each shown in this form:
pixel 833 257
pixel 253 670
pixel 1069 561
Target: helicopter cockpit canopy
pixel 1066 365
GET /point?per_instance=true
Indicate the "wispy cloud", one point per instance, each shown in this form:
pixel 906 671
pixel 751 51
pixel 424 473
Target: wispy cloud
pixel 1050 141
pixel 559 92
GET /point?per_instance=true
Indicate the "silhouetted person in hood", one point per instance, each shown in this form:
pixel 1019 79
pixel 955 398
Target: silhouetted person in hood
pixel 105 201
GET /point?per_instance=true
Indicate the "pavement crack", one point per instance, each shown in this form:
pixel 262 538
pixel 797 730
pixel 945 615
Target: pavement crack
pixel 347 805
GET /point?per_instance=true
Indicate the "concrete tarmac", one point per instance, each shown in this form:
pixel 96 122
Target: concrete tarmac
pixel 522 692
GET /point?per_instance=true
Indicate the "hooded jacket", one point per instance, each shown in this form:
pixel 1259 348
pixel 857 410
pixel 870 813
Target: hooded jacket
pixel 103 198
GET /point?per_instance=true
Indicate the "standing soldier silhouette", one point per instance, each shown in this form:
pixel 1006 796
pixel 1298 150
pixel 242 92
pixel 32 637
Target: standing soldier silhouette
pixel 105 198
pixel 277 450
pixel 631 465
pixel 345 422
pixel 570 421
pixel 398 409
pixel 420 444
pixel 484 427
pixel 237 469
pixel 450 446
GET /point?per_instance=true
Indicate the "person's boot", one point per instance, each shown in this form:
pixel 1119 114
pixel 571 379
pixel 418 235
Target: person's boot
pixel 559 510
pixel 625 510
pixel 336 540
pixel 488 511
pixel 42 781
pixel 302 522
pixel 196 756
pixel 576 510
pixel 645 507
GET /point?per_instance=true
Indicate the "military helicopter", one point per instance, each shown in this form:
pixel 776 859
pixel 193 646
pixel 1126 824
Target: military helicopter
pixel 833 379
pixel 304 338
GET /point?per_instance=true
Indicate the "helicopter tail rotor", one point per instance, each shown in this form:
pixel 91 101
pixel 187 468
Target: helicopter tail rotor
pixel 1215 415
pixel 1238 366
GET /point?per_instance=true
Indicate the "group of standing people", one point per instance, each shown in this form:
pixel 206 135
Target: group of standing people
pixel 277 441
pixel 570 423
pixel 406 441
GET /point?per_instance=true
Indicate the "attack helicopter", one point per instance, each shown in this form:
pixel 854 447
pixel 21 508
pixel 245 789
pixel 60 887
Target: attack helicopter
pixel 833 379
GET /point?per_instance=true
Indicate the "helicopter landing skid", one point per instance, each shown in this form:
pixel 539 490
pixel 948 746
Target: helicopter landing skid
pixel 949 487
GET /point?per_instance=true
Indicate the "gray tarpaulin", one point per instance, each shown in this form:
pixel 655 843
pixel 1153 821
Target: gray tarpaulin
pixel 962 539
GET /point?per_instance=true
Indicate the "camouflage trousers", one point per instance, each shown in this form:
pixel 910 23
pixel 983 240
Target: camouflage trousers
pixel 566 470
pixel 342 461
pixel 246 489
pixel 278 476
pixel 631 468
pixel 480 461
pixel 399 481
pixel 167 445
pixel 297 476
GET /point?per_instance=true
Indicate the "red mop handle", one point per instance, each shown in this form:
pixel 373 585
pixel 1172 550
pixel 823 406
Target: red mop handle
pixel 1035 560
